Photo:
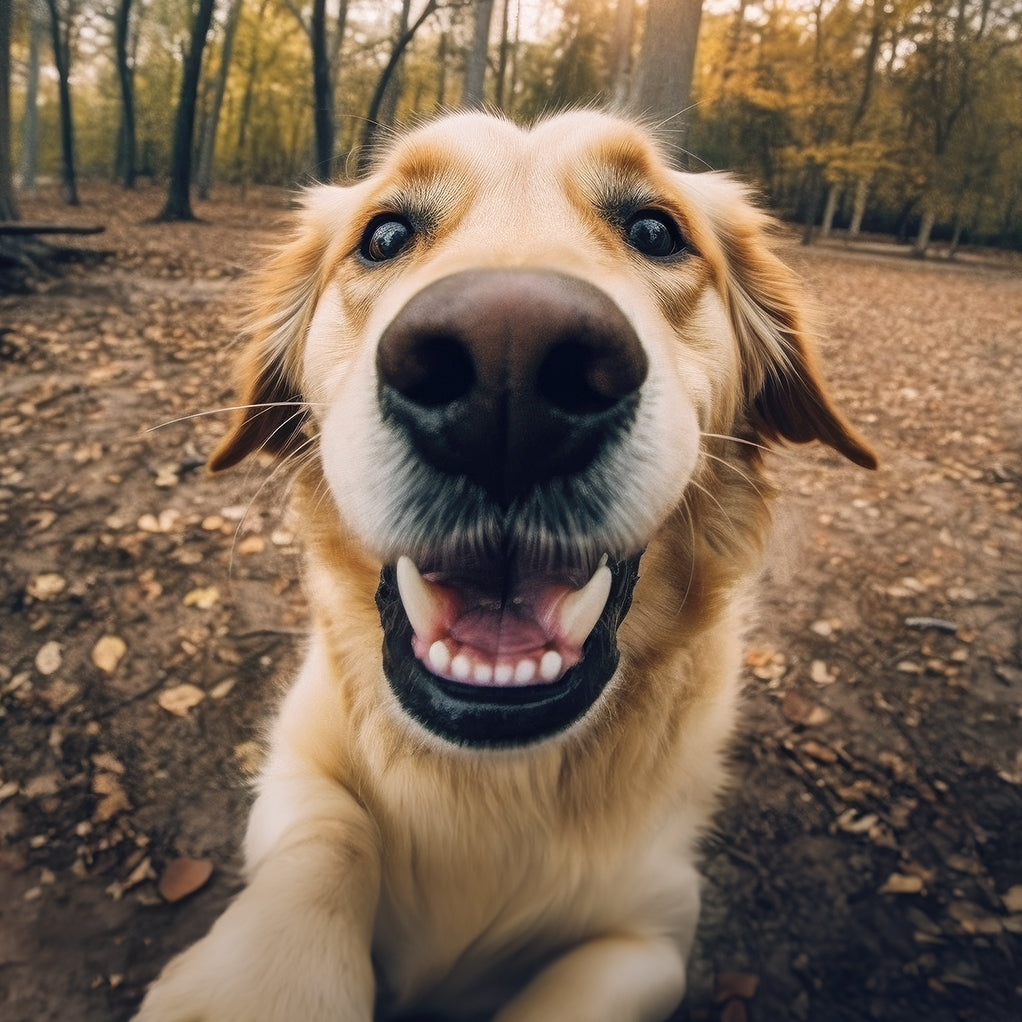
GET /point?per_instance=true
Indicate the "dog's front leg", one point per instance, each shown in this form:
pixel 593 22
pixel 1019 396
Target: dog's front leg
pixel 295 943
pixel 615 978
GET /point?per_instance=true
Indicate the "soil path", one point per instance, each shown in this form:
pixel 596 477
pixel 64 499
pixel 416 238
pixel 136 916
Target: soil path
pixel 869 862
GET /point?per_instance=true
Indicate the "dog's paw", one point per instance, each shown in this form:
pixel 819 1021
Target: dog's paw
pixel 250 970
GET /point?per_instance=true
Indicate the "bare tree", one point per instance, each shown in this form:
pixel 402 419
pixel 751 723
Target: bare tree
pixel 207 145
pixel 60 32
pixel 475 66
pixel 664 79
pixel 179 203
pixel 126 143
pixel 8 206
pixel 38 20
pixel 372 124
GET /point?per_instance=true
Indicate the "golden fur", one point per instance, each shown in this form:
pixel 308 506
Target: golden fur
pixel 388 870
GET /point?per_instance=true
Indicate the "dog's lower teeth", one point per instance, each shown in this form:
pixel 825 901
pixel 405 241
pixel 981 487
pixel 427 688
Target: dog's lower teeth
pixel 439 657
pixel 461 667
pixel 503 674
pixel 550 665
pixel 525 671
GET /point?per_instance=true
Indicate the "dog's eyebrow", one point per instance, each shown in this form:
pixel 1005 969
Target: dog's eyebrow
pixel 619 175
pixel 427 182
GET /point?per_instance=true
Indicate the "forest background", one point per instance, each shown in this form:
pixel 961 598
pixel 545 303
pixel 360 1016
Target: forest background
pixel 899 116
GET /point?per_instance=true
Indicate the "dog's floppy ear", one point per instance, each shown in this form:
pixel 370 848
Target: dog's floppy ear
pixel 786 395
pixel 271 415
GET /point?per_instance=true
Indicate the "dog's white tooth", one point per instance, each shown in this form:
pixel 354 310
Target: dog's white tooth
pixel 482 673
pixel 525 671
pixel 461 667
pixel 416 597
pixel 439 656
pixel 550 665
pixel 503 673
pixel 579 611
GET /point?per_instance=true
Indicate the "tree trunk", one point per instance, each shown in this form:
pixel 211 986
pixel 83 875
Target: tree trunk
pixel 126 144
pixel 179 202
pixel 859 207
pixel 833 194
pixel 61 58
pixel 956 236
pixel 922 242
pixel 388 107
pixel 365 150
pixel 30 124
pixel 620 69
pixel 8 206
pixel 322 94
pixel 207 146
pixel 814 193
pixel 502 52
pixel 664 81
pixel 473 94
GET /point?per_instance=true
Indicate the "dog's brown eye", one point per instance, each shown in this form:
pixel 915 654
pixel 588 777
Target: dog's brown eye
pixel 385 237
pixel 654 234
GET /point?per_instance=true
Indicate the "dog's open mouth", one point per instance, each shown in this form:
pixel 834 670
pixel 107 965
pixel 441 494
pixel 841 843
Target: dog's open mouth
pixel 491 652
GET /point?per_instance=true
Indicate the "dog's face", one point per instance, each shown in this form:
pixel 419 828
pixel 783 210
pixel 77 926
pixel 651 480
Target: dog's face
pixel 509 346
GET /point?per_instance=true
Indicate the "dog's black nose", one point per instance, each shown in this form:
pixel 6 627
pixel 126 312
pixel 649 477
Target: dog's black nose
pixel 511 377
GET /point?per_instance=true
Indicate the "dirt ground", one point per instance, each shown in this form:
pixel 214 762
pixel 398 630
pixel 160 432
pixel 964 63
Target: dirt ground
pixel 868 864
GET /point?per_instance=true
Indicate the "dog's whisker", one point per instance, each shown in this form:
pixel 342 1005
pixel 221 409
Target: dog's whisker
pixel 232 408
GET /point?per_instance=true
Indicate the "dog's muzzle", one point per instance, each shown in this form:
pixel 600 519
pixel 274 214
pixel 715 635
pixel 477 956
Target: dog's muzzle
pixel 508 384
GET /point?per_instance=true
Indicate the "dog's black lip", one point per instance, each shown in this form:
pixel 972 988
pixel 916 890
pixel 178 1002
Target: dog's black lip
pixel 498 717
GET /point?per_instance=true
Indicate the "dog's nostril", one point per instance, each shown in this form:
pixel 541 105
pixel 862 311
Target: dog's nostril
pixel 574 378
pixel 436 370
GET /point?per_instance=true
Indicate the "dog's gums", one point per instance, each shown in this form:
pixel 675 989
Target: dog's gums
pixel 533 634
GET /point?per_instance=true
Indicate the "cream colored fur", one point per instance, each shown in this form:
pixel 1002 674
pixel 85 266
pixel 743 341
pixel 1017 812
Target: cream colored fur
pixel 388 870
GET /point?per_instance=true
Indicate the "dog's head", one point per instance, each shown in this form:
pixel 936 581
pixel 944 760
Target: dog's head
pixel 508 348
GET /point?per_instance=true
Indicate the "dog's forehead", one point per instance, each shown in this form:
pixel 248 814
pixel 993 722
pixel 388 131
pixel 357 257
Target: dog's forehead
pixel 583 146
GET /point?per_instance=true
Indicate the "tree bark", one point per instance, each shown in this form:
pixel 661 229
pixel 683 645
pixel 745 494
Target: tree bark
pixel 473 94
pixel 922 242
pixel 207 145
pixel 664 82
pixel 387 113
pixel 127 145
pixel 833 193
pixel 859 206
pixel 179 202
pixel 8 205
pixel 38 17
pixel 62 58
pixel 620 69
pixel 322 94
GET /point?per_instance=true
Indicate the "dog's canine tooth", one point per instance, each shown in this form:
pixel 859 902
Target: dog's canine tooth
pixel 418 601
pixel 579 611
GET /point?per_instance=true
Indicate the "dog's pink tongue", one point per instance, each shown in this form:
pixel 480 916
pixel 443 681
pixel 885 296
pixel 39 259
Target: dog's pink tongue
pixel 533 639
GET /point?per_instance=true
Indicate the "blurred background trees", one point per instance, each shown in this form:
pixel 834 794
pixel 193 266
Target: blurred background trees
pixel 903 116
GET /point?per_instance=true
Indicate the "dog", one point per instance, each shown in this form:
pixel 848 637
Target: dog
pixel 526 378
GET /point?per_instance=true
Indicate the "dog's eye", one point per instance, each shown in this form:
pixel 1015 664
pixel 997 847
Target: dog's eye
pixel 654 233
pixel 385 237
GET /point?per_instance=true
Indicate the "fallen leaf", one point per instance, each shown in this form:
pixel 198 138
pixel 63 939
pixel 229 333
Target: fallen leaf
pixel 107 653
pixel 251 544
pixel 205 597
pixel 898 883
pixel 49 658
pixel 180 699
pixel 249 757
pixel 46 586
pixel 184 876
pixel 1012 898
pixel 113 799
pixel 820 673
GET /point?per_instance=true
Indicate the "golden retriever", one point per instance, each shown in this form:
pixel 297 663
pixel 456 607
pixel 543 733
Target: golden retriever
pixel 526 377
